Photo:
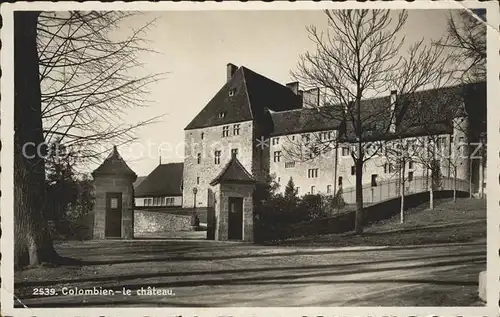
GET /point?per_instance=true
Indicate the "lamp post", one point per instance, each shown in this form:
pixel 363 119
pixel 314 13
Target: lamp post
pixel 194 217
pixel 195 191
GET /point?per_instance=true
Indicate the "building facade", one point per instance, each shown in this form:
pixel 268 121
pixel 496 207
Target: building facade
pixel 277 130
pixel 281 131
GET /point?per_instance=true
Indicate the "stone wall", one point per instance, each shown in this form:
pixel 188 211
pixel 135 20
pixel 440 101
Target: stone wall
pixel 160 221
pixel 207 170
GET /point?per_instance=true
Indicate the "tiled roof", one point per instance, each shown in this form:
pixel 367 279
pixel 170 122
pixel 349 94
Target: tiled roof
pixel 423 112
pixel 139 180
pixel 250 94
pixel 164 180
pixel 304 120
pixel 233 172
pixel 114 165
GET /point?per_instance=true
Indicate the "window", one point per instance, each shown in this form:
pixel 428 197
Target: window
pixel 217 157
pixel 164 201
pixel 312 173
pixel 202 135
pixel 236 129
pixel 289 164
pixel 225 131
pixel 279 179
pixel 198 158
pixel 345 151
pixel 234 152
pixel 198 180
pixel 369 149
pixel 293 137
pixel 388 168
pixel 410 176
pixel 298 190
pixel 353 170
pixel 340 181
pixel 222 114
pixel 277 156
pixel 374 180
pixel 410 164
pixel 305 138
pixel 313 190
pixel 276 141
pixel 114 202
pixel 328 189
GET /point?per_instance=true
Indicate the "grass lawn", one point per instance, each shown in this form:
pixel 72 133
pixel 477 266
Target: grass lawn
pixel 460 221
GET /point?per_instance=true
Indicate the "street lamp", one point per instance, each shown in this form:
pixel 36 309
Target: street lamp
pixel 194 216
pixel 195 191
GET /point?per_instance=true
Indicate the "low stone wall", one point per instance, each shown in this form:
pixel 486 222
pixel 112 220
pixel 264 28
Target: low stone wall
pixel 160 221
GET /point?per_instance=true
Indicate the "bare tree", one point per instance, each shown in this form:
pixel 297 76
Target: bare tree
pixel 467 41
pixel 399 154
pixel 73 83
pixel 32 243
pixel 88 78
pixel 357 59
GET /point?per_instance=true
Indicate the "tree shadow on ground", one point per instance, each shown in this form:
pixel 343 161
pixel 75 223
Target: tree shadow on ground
pixel 283 278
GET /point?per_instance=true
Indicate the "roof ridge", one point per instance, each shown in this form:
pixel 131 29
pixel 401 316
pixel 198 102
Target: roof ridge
pixel 169 163
pixel 246 90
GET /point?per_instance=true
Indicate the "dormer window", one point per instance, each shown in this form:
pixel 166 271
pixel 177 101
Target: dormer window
pixel 232 92
pixel 222 114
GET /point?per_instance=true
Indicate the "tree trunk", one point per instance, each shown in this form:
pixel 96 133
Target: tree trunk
pixel 402 192
pixel 470 178
pixel 32 243
pixel 481 176
pixel 431 198
pixel 358 227
pixel 455 184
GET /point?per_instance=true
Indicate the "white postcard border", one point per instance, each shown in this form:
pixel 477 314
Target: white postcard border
pixel 493 162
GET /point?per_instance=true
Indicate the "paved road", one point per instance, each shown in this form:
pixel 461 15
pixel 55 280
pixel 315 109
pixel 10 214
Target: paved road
pixel 206 273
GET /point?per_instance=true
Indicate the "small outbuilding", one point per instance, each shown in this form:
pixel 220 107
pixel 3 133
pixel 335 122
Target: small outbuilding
pixel 232 203
pixel 114 198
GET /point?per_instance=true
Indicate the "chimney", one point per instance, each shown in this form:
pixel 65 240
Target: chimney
pixel 393 100
pixel 294 86
pixel 231 68
pixel 310 98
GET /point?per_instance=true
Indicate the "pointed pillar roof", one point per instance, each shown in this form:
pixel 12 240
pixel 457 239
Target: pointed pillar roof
pixel 114 165
pixel 233 172
pixel 461 112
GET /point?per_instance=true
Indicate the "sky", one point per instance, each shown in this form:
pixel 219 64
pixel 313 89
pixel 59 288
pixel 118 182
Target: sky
pixel 193 49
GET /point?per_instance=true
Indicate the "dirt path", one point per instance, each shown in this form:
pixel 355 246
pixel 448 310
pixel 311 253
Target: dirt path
pixel 204 273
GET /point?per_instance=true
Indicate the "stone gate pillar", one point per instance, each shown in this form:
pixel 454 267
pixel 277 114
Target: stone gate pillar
pixel 114 198
pixel 233 194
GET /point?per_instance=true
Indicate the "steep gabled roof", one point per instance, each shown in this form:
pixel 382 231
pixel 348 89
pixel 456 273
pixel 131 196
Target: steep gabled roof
pixel 164 180
pixel 233 172
pixel 251 93
pixel 114 165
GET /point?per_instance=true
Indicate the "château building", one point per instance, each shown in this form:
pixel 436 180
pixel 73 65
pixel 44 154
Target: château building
pixel 281 131
pixel 277 130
